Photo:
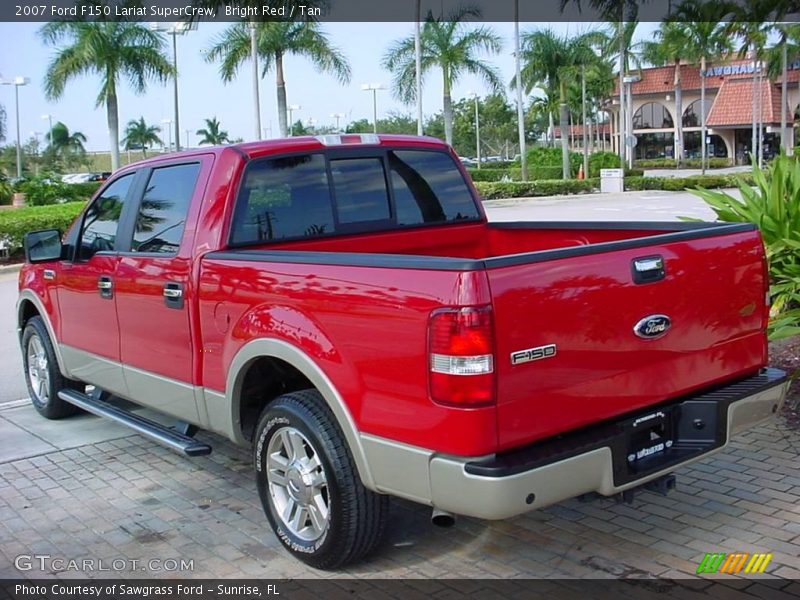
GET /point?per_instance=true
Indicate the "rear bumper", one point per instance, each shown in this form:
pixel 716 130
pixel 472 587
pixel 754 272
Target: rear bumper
pixel 604 459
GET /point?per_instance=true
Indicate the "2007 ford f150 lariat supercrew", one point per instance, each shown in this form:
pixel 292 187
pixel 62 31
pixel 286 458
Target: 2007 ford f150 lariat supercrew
pixel 341 305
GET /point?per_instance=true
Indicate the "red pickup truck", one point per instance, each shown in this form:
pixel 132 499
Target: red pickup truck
pixel 341 305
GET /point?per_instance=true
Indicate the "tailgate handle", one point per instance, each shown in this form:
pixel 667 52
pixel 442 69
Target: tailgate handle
pixel 648 269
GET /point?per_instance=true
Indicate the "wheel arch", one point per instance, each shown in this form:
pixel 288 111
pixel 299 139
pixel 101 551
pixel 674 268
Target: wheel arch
pixel 280 350
pixel 29 305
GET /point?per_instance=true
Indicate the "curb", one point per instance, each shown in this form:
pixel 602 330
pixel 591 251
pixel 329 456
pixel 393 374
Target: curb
pixel 10 268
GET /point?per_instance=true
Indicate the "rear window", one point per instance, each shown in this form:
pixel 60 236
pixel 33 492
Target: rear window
pixel 428 188
pixel 360 187
pixel 304 196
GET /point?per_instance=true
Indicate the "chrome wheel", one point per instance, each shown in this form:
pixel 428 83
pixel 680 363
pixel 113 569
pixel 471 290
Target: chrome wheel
pixel 298 485
pixel 38 370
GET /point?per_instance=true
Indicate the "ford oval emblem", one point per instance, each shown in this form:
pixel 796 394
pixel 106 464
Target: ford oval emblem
pixel 652 327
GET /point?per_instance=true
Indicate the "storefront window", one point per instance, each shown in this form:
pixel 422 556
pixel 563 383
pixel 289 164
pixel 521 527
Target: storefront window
pixel 715 145
pixel 655 145
pixel 652 116
pixel 691 116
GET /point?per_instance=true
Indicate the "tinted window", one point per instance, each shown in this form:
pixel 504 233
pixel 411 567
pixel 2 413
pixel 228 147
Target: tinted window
pixel 360 186
pixel 162 213
pixel 428 187
pixel 99 230
pixel 281 198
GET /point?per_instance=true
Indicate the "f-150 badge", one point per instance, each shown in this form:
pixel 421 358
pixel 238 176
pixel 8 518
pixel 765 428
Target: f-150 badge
pixel 652 327
pixel 538 353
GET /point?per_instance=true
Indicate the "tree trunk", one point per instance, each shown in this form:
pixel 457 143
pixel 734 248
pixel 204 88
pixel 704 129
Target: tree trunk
pixel 703 114
pixel 112 111
pixel 280 85
pixel 564 124
pixel 678 114
pixel 784 92
pixel 551 130
pixel 448 108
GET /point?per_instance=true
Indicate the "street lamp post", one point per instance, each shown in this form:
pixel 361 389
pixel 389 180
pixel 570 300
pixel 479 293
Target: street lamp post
pixel 290 109
pixel 373 87
pixel 627 117
pixel 583 110
pixel 175 29
pixel 337 116
pixel 168 123
pixel 477 130
pixel 49 119
pixel 17 82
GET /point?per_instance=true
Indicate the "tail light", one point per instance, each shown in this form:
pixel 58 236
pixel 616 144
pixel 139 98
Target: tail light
pixel 461 355
pixel 767 299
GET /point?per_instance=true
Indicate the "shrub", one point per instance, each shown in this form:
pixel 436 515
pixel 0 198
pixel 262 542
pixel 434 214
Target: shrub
pixel 543 187
pixel 602 160
pixel 48 189
pixel 691 163
pixel 678 184
pixel 6 191
pixel 15 223
pixel 773 204
pixel 551 157
pixel 515 173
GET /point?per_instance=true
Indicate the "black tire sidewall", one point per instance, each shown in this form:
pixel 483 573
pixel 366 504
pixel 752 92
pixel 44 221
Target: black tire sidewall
pixel 292 414
pixel 35 328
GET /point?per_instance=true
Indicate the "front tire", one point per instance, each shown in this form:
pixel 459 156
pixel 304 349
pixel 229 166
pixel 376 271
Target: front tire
pixel 42 375
pixel 309 487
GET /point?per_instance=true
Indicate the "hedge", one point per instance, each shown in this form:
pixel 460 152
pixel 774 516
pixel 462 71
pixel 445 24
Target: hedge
pixel 534 173
pixel 692 163
pixel 677 184
pixel 16 222
pixel 555 187
pixel 543 187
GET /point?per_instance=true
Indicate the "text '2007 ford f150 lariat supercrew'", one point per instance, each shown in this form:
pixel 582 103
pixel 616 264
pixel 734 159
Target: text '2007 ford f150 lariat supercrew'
pixel 341 305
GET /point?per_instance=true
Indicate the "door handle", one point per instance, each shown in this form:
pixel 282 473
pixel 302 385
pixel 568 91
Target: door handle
pixel 173 294
pixel 106 286
pixel 647 269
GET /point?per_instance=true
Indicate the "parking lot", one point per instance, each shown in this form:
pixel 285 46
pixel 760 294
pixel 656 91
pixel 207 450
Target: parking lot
pixel 84 489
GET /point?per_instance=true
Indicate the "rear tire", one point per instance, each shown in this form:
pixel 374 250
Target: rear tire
pixel 42 375
pixel 309 486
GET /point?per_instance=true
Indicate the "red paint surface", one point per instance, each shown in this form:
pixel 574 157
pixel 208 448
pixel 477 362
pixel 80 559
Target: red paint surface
pixel 366 327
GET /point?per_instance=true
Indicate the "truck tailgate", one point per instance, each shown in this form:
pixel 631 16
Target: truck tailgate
pixel 586 304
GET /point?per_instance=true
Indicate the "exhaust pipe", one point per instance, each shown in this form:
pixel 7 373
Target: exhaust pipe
pixel 441 518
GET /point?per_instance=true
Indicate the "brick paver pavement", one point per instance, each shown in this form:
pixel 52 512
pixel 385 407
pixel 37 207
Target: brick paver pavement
pixel 130 499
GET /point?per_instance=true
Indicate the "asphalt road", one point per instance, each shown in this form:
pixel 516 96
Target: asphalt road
pixel 625 206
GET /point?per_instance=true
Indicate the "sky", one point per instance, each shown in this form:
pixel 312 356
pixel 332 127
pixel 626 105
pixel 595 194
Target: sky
pixel 204 95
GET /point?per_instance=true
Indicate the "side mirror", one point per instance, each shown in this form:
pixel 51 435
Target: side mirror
pixel 43 246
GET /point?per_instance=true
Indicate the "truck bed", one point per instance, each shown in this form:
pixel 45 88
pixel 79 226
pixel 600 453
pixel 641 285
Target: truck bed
pixel 548 283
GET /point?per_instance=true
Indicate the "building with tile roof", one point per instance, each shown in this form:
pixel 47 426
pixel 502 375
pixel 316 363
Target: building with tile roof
pixel 731 90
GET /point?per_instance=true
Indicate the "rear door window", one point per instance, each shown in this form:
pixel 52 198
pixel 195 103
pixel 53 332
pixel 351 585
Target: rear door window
pixel 282 198
pixel 162 212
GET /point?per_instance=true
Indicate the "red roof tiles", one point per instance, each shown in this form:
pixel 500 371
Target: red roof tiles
pixel 733 105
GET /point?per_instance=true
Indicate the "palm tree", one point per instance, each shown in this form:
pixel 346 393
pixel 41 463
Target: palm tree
pixel 450 46
pixel 212 134
pixel 275 40
pixel 111 49
pixel 705 38
pixel 754 21
pixel 669 47
pixel 139 134
pixel 552 61
pixel 778 56
pixel 64 146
